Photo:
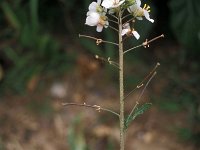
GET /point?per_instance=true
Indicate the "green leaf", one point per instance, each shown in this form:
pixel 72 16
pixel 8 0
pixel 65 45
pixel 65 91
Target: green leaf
pixel 138 111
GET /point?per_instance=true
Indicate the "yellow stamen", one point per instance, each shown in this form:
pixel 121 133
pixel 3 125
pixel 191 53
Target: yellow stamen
pixel 144 6
pixel 148 7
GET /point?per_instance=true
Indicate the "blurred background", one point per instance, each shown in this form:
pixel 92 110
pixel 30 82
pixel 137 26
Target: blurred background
pixel 43 63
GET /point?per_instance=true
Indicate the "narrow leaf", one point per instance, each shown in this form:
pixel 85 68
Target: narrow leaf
pixel 138 111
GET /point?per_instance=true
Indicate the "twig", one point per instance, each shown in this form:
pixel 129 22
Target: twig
pixel 115 64
pixel 112 21
pixel 137 87
pixel 113 28
pixel 139 97
pixel 146 85
pixel 141 84
pixel 145 44
pixel 135 106
pixel 98 41
pixel 113 16
pixel 126 16
pixel 132 19
pixel 97 107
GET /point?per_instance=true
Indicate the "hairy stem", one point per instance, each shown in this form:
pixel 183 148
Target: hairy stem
pixel 145 44
pixel 121 84
pixel 98 41
pixel 97 107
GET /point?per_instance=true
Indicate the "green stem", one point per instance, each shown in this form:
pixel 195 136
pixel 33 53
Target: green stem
pixel 121 84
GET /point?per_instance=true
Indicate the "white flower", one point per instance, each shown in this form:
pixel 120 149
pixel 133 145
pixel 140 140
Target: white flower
pixel 96 7
pixel 96 16
pixel 96 19
pixel 139 12
pixel 112 3
pixel 129 32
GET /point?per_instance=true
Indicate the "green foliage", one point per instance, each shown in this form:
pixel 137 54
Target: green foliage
pixel 34 51
pixel 76 138
pixel 185 22
pixel 137 111
pixel 170 105
pixel 184 133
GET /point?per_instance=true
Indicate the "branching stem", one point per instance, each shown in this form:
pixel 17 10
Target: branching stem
pixel 96 107
pixel 113 16
pixel 98 41
pixel 126 16
pixel 145 44
pixel 113 21
pixel 142 92
pixel 113 28
pixel 132 19
pixel 121 83
pixel 113 63
pixel 146 86
pixel 141 84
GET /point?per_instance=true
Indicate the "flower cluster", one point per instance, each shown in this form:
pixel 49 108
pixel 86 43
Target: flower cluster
pixel 96 16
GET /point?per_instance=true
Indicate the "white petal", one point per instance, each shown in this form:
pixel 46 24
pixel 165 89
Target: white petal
pixel 146 14
pixel 121 2
pixel 138 3
pixel 93 6
pixel 99 28
pixel 124 31
pixel 118 4
pixel 106 24
pixel 92 19
pixel 126 26
pixel 89 22
pixel 137 36
pixel 89 12
pixel 99 2
pixel 112 3
pixel 107 3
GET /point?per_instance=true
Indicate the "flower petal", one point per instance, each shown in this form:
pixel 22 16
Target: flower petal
pixel 99 28
pixel 93 6
pixel 138 3
pixel 112 3
pixel 92 18
pixel 126 26
pixel 99 2
pixel 107 3
pixel 121 2
pixel 135 33
pixel 146 14
pixel 106 24
pixel 124 31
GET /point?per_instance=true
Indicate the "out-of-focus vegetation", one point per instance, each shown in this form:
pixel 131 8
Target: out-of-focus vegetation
pixel 28 48
pixel 185 23
pixel 32 34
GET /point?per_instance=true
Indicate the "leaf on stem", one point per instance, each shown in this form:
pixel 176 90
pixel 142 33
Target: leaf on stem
pixel 138 111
